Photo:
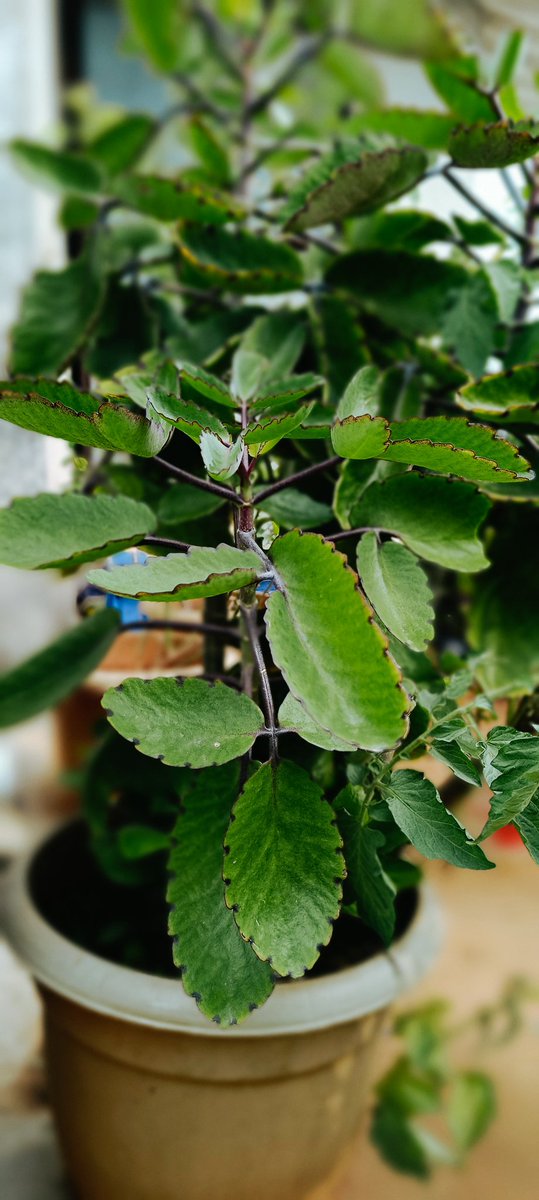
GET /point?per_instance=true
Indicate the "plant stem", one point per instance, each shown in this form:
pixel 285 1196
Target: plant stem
pixel 206 485
pixel 347 533
pixel 298 477
pixel 486 212
pixel 249 614
pixel 150 540
pixel 309 49
pixel 228 633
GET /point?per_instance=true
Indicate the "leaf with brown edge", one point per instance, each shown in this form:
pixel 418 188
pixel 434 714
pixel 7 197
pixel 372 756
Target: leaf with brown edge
pixel 218 968
pixel 60 410
pixel 494 145
pixel 320 628
pixel 184 722
pixel 238 261
pixel 63 531
pixel 284 867
pixel 510 397
pixel 203 571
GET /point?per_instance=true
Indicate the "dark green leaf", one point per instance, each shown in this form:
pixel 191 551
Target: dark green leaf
pixel 57 311
pixel 511 766
pixel 174 199
pixel 203 571
pixel 59 168
pixel 182 502
pixel 418 126
pixel 496 145
pixel 398 590
pixel 139 841
pixel 418 811
pixel 240 261
pixel 437 518
pixel 184 722
pixel 218 968
pixel 320 592
pixel 294 509
pixel 60 410
pixel 527 824
pixel 397 1141
pixel 469 325
pixel 409 292
pixel 471 1108
pixel 373 889
pixel 407 229
pixel 52 674
pixel 62 531
pixel 456 447
pixel 283 873
pixel 122 143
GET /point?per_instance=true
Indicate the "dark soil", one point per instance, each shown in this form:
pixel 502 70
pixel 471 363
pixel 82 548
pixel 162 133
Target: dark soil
pixel 128 925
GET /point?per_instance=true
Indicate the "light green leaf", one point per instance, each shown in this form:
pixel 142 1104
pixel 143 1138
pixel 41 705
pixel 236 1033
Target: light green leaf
pixel 319 592
pixel 53 673
pixel 497 144
pixel 218 968
pixel 455 446
pixel 60 169
pixel 418 126
pixel 437 518
pixel 182 502
pixel 121 144
pixel 64 531
pixel 221 458
pixel 511 397
pixel 267 432
pixel 355 178
pixel 175 199
pixel 456 82
pixel 272 346
pixel 57 310
pixel 185 415
pixel 203 571
pixel 511 766
pixel 184 722
pixel 158 29
pixel 205 383
pixel 403 27
pixel 210 150
pixel 373 889
pixel 354 478
pixel 283 873
pixel 398 590
pixel 295 510
pixel 239 261
pixel 409 292
pixel 417 809
pixel 292 715
pixel 282 393
pixel 59 410
pixel 471 1108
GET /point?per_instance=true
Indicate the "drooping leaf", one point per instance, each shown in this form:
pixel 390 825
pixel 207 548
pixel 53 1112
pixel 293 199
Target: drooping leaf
pixel 471 1108
pixel 409 292
pixel 240 261
pixel 418 811
pixel 454 757
pixel 60 531
pixel 511 398
pixel 293 715
pixel 398 590
pixel 356 177
pixel 294 509
pixel 183 502
pixel 221 458
pixel 398 1141
pixel 498 144
pixel 53 673
pixel 437 518
pixel 184 722
pixel 121 144
pixel 511 766
pixel 158 29
pixel 203 571
pixel 60 169
pixel 373 889
pixel 218 968
pixel 57 310
pixel 283 875
pixel 419 126
pixel 60 410
pixel 174 199
pixel 319 592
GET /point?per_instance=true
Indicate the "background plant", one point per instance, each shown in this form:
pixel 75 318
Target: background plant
pixel 271 360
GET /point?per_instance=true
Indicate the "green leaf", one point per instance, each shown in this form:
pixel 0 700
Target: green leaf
pixel 283 873
pixel 60 410
pixel 210 151
pixel 182 503
pixel 319 591
pixel 506 280
pixel 282 393
pixel 418 811
pixel 218 968
pixel 511 766
pixel 398 590
pixel 509 56
pixel 239 262
pixel 185 415
pixel 221 458
pixel 64 531
pixel 403 27
pixel 454 757
pixel 502 622
pixel 77 213
pixel 478 233
pixel 437 518
pixel 292 715
pixel 158 29
pixel 456 83
pixel 469 326
pixel 356 177
pixel 208 385
pixel 175 199
pixel 49 676
pixel 418 126
pixel 61 169
pixel 267 432
pixel 203 571
pixel 527 824
pixel 512 397
pixel 268 351
pixel 295 510
pixel 354 478
pixel 398 1142
pixel 121 144
pixel 471 1108
pixel 456 447
pixel 409 292
pixel 57 310
pixel 373 889
pixel 523 345
pixel 497 144
pixel 407 229
pixel 184 722
pixel 139 841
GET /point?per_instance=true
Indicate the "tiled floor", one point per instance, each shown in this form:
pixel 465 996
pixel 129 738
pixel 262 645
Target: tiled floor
pixel 492 934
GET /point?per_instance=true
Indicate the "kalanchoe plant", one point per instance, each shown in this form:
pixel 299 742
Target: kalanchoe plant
pixel 297 404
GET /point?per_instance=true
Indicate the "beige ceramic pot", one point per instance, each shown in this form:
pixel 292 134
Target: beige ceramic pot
pixel 152 1102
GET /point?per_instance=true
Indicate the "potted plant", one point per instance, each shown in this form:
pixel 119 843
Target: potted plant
pixel 309 431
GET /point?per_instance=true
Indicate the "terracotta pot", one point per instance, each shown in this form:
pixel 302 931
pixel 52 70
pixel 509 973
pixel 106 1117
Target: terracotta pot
pixel 154 1102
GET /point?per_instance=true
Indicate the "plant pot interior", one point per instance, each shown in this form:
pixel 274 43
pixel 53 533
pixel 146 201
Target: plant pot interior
pixel 127 925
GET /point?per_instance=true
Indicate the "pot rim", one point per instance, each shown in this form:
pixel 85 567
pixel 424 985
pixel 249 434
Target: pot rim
pixel 142 999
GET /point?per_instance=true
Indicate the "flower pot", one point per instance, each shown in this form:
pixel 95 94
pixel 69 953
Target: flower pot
pixel 154 1102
